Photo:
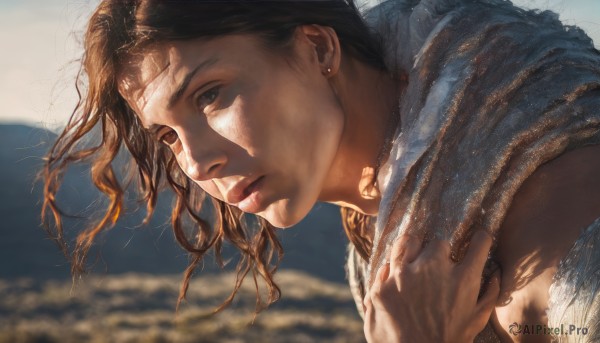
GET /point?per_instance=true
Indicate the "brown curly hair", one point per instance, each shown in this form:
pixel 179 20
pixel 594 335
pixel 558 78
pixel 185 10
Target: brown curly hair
pixel 118 30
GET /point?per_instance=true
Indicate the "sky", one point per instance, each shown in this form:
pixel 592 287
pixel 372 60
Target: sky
pixel 41 42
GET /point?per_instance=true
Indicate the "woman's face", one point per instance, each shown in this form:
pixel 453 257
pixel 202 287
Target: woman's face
pixel 248 125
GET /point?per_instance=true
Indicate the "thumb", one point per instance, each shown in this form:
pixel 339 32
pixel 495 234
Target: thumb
pixel 487 302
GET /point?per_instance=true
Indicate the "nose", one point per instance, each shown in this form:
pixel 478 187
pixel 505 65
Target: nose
pixel 200 161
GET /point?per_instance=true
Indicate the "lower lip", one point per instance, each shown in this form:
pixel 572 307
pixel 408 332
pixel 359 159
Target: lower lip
pixel 252 203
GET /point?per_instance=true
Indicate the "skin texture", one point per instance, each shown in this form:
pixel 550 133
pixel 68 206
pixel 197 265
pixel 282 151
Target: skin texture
pixel 546 217
pixel 254 114
pixel 548 214
pixel 250 114
pixel 451 313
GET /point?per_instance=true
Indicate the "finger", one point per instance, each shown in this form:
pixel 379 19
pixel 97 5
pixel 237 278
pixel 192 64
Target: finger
pixel 397 250
pixel 369 318
pixel 487 302
pixel 477 253
pixel 366 304
pixel 384 271
pixel 375 291
pixel 412 248
pixel 437 248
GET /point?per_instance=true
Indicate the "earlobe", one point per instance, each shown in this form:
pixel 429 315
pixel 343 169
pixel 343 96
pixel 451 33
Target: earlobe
pixel 326 45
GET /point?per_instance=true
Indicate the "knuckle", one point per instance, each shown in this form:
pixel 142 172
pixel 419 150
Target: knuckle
pixel 417 266
pixel 467 271
pixel 403 241
pixel 424 267
pixel 367 302
pixel 398 277
pixel 375 295
pixel 441 247
pixel 379 296
pixel 396 272
pixel 464 268
pixel 411 237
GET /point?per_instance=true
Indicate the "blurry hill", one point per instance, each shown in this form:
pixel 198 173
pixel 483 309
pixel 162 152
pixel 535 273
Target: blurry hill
pixel 131 294
pixel 315 246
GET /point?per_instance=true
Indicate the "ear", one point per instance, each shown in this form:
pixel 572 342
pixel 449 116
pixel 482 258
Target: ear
pixel 325 47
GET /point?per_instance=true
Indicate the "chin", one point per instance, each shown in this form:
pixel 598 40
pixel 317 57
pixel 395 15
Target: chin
pixel 282 215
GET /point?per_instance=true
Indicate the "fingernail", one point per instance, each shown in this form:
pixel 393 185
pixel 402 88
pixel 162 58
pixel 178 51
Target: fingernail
pixel 386 271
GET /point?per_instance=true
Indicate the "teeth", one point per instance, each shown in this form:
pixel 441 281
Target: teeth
pixel 251 187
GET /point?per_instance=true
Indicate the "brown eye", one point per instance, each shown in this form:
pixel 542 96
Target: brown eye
pixel 169 137
pixel 207 97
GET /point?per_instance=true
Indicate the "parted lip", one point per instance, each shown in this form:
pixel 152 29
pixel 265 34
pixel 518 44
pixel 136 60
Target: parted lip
pixel 240 190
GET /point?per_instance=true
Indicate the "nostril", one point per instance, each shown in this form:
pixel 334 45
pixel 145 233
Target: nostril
pixel 204 167
pixel 197 173
pixel 213 168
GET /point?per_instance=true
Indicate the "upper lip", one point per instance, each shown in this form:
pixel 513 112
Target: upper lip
pixel 238 192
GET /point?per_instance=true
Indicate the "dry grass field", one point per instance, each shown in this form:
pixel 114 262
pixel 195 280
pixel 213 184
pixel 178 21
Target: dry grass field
pixel 141 308
pixel 117 307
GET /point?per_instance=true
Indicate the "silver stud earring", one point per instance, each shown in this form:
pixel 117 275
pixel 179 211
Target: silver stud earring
pixel 328 70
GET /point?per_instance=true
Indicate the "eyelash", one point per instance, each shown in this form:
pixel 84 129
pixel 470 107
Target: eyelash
pixel 213 91
pixel 164 138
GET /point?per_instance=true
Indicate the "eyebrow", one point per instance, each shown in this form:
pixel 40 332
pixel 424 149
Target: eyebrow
pixel 176 96
pixel 153 129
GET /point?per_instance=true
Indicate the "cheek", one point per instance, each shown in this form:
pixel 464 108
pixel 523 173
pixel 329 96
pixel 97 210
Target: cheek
pixel 242 123
pixel 211 188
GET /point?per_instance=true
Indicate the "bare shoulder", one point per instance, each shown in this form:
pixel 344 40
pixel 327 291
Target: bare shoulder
pixel 562 196
pixel 546 216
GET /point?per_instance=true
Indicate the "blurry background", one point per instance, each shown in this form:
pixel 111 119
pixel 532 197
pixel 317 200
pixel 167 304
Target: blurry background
pixel 131 294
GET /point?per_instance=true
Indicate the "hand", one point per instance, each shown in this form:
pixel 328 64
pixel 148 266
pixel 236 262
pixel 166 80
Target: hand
pixel 425 297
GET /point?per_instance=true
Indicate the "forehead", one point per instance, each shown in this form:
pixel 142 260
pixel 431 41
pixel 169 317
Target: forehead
pixel 142 73
pixel 153 74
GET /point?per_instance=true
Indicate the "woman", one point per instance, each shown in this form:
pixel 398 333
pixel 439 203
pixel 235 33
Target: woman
pixel 268 108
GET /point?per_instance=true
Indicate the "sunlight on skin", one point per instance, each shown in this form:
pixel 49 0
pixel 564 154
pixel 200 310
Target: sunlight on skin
pixel 37 83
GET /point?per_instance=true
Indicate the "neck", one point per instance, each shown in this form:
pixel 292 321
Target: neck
pixel 369 98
